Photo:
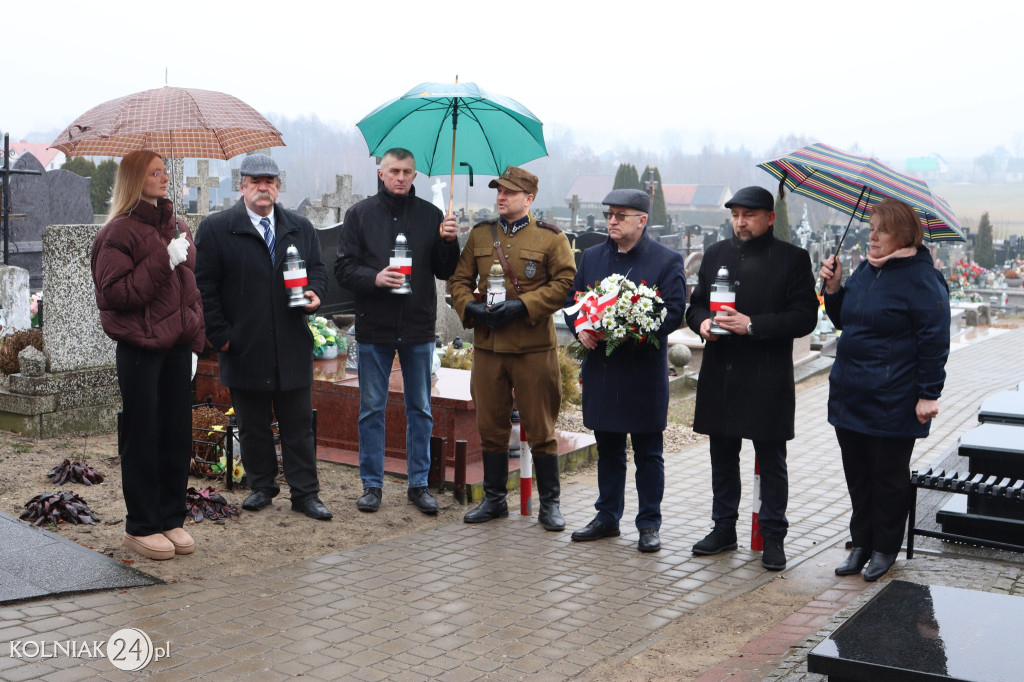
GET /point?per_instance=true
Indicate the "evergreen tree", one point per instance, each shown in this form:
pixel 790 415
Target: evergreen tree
pixel 659 213
pixel 983 253
pixel 782 230
pixel 626 177
pixel 102 187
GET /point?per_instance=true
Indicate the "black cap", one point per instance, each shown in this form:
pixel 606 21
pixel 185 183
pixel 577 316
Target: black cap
pixel 629 198
pixel 752 197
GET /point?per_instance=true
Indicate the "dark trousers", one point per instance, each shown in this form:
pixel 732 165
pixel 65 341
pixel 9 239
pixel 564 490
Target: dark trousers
pixel 611 477
pixel 878 477
pixel 726 486
pixel 156 435
pixel 255 411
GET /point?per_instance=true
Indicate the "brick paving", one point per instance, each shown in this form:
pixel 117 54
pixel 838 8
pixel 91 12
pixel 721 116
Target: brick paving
pixel 506 600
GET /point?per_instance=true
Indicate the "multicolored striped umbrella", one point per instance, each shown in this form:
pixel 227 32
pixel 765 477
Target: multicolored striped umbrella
pixel 853 184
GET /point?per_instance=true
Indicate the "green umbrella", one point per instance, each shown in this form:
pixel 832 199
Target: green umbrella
pixel 439 122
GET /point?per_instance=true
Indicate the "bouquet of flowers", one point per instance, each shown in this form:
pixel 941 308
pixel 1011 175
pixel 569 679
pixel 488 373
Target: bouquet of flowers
pixel 326 341
pixel 623 310
pixel 964 274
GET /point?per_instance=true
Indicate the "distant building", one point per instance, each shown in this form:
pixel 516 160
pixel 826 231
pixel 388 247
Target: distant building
pixel 51 159
pixel 1015 170
pixel 591 190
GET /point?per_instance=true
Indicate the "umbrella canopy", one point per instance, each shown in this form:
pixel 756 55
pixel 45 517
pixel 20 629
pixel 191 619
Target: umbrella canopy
pixel 853 184
pixel 175 122
pixel 488 131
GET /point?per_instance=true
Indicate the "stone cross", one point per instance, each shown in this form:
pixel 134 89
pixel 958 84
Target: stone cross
pixel 203 183
pixel 574 205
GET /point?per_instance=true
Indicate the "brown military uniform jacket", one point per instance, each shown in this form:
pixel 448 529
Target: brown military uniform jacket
pixel 541 258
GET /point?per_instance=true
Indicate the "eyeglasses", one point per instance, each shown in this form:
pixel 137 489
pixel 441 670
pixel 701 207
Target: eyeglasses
pixel 619 216
pixel 161 174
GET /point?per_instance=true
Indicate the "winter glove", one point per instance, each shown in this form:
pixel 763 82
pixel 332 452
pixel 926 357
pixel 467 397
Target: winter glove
pixel 503 312
pixel 195 364
pixel 178 251
pixel 477 311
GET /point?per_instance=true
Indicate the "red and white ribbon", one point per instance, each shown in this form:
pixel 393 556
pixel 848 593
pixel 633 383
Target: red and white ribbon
pixel 404 265
pixel 591 306
pixel 295 278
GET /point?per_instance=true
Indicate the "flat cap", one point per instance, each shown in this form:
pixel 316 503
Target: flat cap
pixel 259 166
pixel 629 198
pixel 517 180
pixel 752 197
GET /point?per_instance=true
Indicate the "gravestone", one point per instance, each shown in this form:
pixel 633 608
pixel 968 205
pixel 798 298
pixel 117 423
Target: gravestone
pixel 202 182
pixel 574 207
pixel 51 198
pixel 333 205
pixel 337 300
pixel 79 393
pixel 584 241
pixel 14 299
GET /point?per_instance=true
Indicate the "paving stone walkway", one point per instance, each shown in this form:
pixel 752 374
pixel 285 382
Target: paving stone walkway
pixel 506 600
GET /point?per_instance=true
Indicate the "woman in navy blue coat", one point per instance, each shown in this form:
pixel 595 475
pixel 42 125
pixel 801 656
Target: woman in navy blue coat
pixel 627 391
pixel 887 377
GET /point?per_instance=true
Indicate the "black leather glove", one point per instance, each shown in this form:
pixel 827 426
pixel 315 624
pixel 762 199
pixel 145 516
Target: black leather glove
pixel 503 312
pixel 477 311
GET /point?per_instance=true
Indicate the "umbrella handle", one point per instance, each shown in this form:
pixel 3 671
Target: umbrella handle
pixel 839 246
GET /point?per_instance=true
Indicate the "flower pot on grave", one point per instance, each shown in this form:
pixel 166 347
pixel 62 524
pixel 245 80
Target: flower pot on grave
pixel 330 352
pixel 1013 282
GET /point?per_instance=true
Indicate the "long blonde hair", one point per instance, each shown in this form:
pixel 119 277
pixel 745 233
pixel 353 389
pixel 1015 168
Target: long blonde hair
pixel 131 175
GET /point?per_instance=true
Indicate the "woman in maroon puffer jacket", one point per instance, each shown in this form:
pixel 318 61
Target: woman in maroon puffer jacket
pixel 148 300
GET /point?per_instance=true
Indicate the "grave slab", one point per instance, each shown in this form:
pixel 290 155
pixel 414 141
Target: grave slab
pixel 910 631
pixel 1006 407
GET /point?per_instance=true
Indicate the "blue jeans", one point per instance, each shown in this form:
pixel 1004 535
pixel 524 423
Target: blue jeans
pixel 611 477
pixel 375 362
pixel 726 487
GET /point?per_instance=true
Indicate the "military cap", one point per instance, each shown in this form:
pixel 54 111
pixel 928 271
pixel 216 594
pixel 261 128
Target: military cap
pixel 517 180
pixel 752 197
pixel 259 166
pixel 629 198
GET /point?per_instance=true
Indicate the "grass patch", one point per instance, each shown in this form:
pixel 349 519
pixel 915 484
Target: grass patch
pixel 680 410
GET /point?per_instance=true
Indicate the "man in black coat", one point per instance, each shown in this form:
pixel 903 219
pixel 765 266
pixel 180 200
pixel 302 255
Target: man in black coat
pixel 265 348
pixel 627 392
pixel 392 318
pixel 746 387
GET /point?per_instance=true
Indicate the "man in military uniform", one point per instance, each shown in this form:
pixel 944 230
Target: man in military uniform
pixel 514 340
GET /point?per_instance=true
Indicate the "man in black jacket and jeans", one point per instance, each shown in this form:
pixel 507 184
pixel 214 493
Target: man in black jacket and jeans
pixel 388 321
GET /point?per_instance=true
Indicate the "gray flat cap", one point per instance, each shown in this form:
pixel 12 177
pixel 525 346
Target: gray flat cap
pixel 752 197
pixel 629 198
pixel 259 166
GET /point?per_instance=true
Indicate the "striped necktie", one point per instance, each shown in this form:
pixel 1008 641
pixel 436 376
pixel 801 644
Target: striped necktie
pixel 268 236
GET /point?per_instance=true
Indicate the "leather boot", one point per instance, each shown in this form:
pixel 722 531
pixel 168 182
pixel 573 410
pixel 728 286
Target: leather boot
pixel 495 488
pixel 545 470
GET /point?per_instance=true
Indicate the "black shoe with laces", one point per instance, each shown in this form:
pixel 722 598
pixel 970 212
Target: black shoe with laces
pixel 720 539
pixel 773 557
pixel 423 500
pixel 370 501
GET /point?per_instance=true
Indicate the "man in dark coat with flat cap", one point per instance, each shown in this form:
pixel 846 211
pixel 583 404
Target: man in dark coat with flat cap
pixel 746 388
pixel 627 392
pixel 265 349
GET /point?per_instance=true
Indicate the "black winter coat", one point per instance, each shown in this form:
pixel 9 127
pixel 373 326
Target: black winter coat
pixel 245 300
pixel 893 349
pixel 745 388
pixel 364 249
pixel 627 391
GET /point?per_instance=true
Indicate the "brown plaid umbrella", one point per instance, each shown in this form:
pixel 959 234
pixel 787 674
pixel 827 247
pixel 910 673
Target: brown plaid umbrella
pixel 175 122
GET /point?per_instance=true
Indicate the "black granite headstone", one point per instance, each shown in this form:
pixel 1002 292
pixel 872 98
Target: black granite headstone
pixel 926 632
pixel 1003 408
pixel 338 300
pixel 57 197
pixel 584 241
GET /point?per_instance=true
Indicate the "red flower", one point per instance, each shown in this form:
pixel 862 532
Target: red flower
pixel 634 298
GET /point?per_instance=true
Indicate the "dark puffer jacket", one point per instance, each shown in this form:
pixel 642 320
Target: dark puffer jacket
pixel 141 300
pixel 364 249
pixel 893 349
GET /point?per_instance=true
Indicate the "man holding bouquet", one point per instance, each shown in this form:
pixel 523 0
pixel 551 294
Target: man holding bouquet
pixel 625 373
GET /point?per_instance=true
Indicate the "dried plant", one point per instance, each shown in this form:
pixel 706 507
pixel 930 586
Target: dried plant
pixel 207 503
pixel 63 507
pixel 14 344
pixel 74 472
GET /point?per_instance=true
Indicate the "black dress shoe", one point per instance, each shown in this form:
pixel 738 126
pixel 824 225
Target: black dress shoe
pixel 423 500
pixel 649 540
pixel 878 566
pixel 370 500
pixel 257 500
pixel 595 530
pixel 720 539
pixel 313 508
pixel 854 562
pixel 773 556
